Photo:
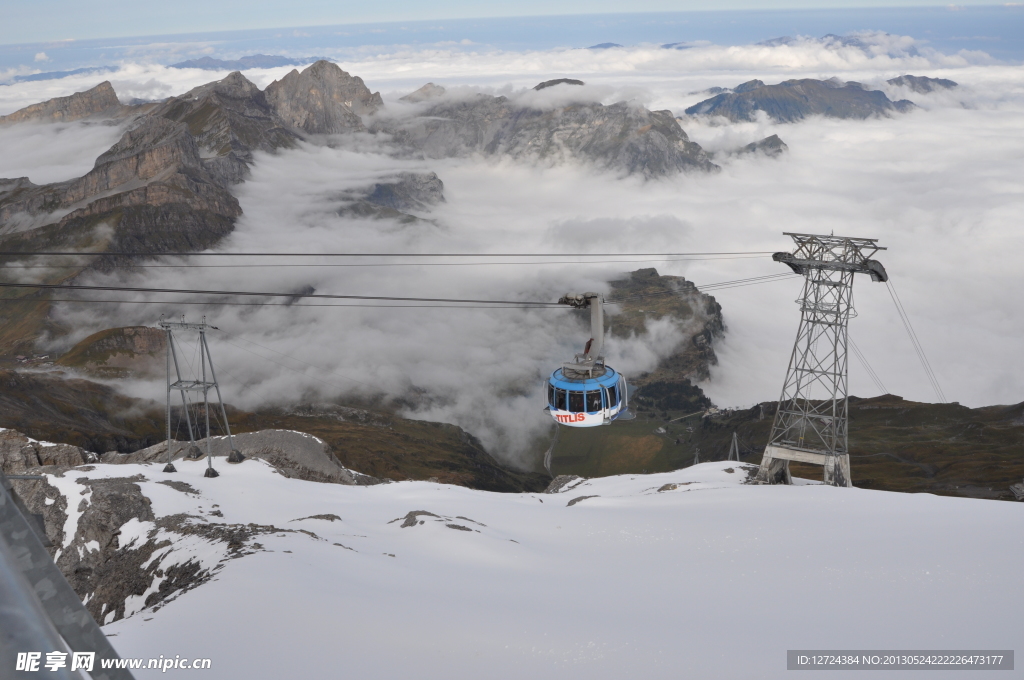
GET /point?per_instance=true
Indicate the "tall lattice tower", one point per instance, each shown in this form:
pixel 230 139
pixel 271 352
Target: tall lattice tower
pixel 811 423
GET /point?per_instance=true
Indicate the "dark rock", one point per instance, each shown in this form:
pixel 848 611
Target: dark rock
pixel 408 191
pixel 773 147
pixel 558 81
pixel 412 518
pixel 395 197
pixel 183 487
pixel 574 501
pixel 564 483
pixel 922 84
pixel 330 517
pixel 794 100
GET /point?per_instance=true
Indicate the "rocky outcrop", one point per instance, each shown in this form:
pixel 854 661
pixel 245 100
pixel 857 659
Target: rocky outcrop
pixel 645 294
pixel 772 146
pixel 120 557
pixel 795 100
pixel 558 81
pixel 322 99
pixel 428 91
pixel 408 191
pixel 19 453
pixel 622 136
pixel 922 84
pixel 98 101
pixel 293 454
pixel 397 197
pixel 119 352
pixel 116 554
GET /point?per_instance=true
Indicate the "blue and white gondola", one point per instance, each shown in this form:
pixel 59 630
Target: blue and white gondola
pixel 586 392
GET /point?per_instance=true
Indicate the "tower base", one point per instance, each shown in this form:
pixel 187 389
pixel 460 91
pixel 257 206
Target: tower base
pixel 775 466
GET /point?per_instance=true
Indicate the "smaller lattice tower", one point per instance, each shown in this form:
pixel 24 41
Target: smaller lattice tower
pixel 811 423
pixel 734 449
pixel 201 382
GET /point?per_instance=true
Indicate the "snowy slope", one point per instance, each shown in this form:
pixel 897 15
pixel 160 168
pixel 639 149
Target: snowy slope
pixel 710 579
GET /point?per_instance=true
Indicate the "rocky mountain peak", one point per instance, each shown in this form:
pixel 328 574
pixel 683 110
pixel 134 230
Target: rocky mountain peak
pixel 322 99
pixel 428 91
pixel 234 86
pixel 93 102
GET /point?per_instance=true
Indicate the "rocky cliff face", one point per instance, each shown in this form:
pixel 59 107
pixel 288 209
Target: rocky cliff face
pixel 323 99
pixel 99 101
pixel 229 119
pixel 795 100
pixel 620 137
pixel 649 295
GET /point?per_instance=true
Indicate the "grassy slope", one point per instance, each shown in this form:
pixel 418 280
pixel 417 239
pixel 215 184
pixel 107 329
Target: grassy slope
pixel 895 445
pixel 51 407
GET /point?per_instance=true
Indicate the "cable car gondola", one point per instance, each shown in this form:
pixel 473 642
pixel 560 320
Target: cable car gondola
pixel 586 392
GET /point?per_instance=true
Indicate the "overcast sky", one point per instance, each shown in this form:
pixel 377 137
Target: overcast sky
pixel 30 21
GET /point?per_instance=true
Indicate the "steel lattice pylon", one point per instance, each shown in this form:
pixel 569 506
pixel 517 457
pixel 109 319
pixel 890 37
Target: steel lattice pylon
pixel 811 422
pixel 199 384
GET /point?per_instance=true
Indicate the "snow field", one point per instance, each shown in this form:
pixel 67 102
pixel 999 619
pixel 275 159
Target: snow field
pixel 714 578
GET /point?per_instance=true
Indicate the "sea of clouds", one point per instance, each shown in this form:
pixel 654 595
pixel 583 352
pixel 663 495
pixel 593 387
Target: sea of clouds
pixel 939 187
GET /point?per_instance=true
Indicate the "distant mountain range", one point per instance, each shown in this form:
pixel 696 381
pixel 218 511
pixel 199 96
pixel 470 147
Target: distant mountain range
pixel 55 75
pixel 795 100
pixel 204 63
pixel 244 63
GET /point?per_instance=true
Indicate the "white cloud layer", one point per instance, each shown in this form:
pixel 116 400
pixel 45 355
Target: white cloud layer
pixel 940 187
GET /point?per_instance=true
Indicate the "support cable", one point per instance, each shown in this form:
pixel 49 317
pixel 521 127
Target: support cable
pixel 918 348
pixel 449 302
pixel 16 253
pixel 867 367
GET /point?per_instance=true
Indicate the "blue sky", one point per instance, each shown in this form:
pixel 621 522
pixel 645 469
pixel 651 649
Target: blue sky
pixel 36 21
